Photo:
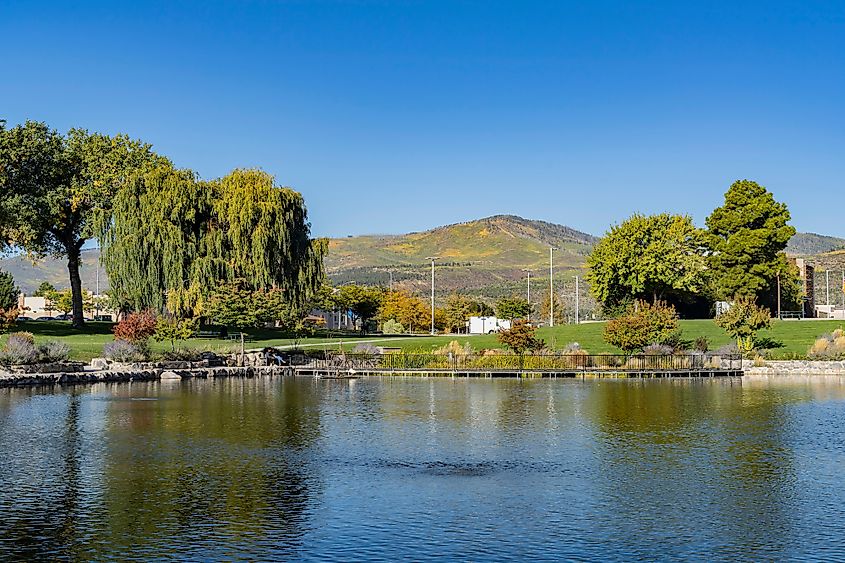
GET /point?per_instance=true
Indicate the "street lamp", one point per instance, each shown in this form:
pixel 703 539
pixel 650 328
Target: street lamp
pixel 527 271
pixel 432 258
pixel 551 288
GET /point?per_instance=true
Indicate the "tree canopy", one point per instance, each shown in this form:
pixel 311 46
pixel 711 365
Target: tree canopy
pixel 173 239
pixel 512 308
pixel 58 189
pixel 9 292
pixel 747 236
pixel 648 257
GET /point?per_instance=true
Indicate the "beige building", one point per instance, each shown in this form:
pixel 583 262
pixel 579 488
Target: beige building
pixel 33 307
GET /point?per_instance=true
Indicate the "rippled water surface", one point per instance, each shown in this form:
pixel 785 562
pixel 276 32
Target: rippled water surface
pixel 415 469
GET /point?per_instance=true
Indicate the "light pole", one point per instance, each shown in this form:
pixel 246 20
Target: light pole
pixel 827 290
pixel 432 258
pixel 390 273
pixel 551 288
pixel 577 302
pixel 527 271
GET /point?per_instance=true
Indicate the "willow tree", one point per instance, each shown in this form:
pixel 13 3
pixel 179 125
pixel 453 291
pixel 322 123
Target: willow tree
pixel 57 188
pixel 172 239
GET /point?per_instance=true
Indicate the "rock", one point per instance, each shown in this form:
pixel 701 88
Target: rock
pixel 168 374
pixel 100 363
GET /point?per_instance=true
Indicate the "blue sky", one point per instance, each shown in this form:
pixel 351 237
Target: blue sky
pixel 399 116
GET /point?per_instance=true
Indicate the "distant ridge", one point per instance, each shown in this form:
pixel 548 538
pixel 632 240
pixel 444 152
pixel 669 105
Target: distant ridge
pixel 807 244
pixel 484 257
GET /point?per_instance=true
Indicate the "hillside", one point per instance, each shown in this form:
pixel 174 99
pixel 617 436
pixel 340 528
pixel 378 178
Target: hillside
pixel 808 244
pixel 29 275
pixel 483 257
pixel 486 254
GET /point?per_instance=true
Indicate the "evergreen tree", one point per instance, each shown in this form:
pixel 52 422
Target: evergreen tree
pixel 747 237
pixel 9 292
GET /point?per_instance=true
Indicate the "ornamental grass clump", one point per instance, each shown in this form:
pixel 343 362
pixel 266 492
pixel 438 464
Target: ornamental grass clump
pixel 829 346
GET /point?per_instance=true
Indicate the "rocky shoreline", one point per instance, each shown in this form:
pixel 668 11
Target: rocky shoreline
pixel 19 379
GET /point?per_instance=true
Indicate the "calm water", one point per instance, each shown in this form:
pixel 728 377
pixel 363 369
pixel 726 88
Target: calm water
pixel 415 469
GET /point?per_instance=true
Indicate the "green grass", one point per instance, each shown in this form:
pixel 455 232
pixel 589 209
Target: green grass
pixel 795 336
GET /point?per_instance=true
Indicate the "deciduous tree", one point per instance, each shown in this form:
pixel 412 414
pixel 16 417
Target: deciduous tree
pixel 60 188
pixel 743 319
pixel 648 257
pixel 512 308
pixel 521 337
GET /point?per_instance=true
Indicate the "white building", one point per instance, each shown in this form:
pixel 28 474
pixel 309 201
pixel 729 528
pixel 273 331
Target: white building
pixel 487 325
pixel 34 307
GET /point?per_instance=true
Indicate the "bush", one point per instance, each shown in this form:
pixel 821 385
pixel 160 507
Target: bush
pixel 743 320
pixel 19 349
pixel 702 344
pixel 520 338
pixel 828 346
pixel 574 349
pixel 183 355
pixel 727 350
pixel 455 348
pixel 28 336
pixel 658 350
pixel 365 348
pixel 137 327
pixel 123 351
pixel 643 324
pixel 53 351
pixel 392 327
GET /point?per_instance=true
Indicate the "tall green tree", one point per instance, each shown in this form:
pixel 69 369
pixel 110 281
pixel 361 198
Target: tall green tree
pixel 59 188
pixel 512 308
pixel 9 292
pixel 654 258
pixel 173 239
pixel 747 237
pixel 44 289
pixel 362 301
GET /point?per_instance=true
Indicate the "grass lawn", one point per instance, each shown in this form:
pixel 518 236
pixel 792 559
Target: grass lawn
pixel 795 336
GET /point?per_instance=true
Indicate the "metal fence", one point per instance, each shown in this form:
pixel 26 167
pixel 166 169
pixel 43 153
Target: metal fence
pixel 530 362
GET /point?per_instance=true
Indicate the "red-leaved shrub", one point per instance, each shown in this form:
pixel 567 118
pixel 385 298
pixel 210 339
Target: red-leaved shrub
pixel 137 327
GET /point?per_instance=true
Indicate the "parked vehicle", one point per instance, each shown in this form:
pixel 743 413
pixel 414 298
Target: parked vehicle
pixel 24 318
pixel 106 318
pixel 67 317
pixel 45 319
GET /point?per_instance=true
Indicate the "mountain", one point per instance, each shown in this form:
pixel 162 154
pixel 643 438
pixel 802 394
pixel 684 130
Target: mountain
pixel 485 257
pixel 29 275
pixel 487 254
pixel 808 244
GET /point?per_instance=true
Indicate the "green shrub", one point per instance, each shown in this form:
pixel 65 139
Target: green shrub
pixel 392 327
pixel 643 324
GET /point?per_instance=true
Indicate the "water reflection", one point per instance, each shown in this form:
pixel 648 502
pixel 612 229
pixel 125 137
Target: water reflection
pixel 424 468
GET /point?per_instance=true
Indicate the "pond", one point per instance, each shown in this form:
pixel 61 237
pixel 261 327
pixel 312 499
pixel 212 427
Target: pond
pixel 424 468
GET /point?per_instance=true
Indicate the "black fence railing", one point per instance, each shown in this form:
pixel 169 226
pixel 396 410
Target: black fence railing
pixel 530 362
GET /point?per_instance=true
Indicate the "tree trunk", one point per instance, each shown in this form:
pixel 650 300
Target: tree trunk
pixel 73 259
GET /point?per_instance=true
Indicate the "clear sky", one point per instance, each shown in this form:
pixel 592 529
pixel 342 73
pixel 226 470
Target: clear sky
pixel 394 116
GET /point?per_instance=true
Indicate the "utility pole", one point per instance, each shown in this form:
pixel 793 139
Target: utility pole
pixel 827 289
pixel 390 272
pixel 432 258
pixel 551 288
pixel 779 315
pixel 577 303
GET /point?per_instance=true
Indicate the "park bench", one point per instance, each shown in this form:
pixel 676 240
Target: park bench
pixel 208 334
pixel 237 336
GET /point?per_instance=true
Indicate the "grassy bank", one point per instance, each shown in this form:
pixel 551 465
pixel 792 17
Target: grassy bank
pixel 795 336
